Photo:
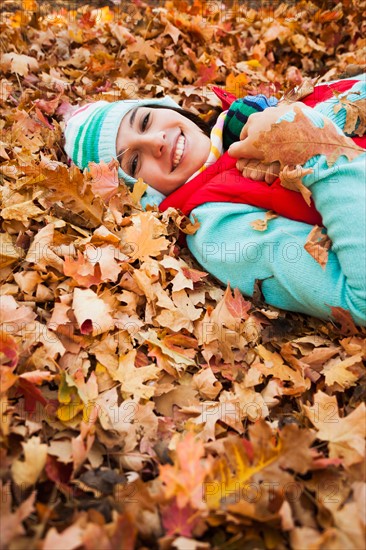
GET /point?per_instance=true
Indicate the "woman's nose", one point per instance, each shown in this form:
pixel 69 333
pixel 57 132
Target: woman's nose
pixel 156 141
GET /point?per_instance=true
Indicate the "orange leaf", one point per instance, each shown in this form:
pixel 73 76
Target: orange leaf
pixel 185 478
pixel 82 271
pixel 8 350
pixel 103 178
pixel 237 306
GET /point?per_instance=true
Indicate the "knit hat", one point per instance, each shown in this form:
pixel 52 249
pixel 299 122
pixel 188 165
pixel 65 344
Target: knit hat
pixel 91 133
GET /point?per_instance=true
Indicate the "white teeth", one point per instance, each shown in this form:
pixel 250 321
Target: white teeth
pixel 179 149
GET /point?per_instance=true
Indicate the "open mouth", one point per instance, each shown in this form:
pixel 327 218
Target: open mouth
pixel 179 150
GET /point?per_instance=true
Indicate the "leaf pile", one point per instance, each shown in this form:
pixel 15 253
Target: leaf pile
pixel 142 404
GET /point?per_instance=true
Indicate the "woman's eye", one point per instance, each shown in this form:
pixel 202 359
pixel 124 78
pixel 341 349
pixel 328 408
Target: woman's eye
pixel 145 121
pixel 133 166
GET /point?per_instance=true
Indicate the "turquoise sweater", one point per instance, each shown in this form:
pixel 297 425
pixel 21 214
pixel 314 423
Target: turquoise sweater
pixel 230 249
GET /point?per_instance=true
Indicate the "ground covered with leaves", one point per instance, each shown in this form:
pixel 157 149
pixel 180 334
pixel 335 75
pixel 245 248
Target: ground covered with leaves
pixel 143 405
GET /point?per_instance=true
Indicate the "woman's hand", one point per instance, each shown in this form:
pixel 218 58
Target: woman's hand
pixel 249 155
pixel 258 171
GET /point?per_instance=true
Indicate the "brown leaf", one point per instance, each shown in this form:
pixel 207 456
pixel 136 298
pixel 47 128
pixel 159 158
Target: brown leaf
pixel 261 225
pixel 294 143
pixel 355 115
pixel 291 179
pixel 345 435
pixel 70 188
pixel 344 318
pixel 318 245
pixel 306 86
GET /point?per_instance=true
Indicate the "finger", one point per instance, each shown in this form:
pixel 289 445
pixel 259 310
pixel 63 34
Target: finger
pixel 269 178
pixel 244 149
pixel 272 172
pixel 246 164
pixel 244 132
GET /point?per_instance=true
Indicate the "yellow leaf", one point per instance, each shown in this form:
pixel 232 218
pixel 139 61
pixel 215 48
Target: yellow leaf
pixel 230 480
pixel 138 190
pixel 143 237
pixel 26 472
pixel 133 379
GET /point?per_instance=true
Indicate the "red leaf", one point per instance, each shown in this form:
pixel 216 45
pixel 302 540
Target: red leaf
pixel 179 521
pixel 237 306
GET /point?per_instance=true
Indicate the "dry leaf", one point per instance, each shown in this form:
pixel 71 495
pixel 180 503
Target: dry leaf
pixel 355 115
pixel 143 238
pixel 318 244
pixel 91 312
pixel 291 178
pixel 261 225
pixel 26 472
pixel 19 63
pixel 278 144
pixel 345 435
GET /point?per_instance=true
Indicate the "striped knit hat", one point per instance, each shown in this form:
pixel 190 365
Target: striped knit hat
pixel 91 132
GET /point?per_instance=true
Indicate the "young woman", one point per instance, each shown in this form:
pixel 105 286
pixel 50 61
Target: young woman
pixel 185 168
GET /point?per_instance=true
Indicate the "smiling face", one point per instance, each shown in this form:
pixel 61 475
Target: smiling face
pixel 161 146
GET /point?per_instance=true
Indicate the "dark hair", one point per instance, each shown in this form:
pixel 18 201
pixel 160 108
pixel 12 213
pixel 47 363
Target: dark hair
pixel 206 127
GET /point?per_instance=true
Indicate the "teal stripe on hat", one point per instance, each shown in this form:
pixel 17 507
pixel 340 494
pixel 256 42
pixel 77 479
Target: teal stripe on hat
pixel 84 129
pixel 90 149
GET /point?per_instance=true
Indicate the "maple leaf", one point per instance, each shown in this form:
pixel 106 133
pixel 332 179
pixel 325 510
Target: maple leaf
pixel 194 274
pixel 103 178
pixel 345 435
pixel 229 477
pixel 184 480
pixel 337 371
pixel 207 384
pixel 144 48
pixel 82 271
pixel 138 190
pixel 69 187
pixel 278 143
pixel 175 357
pixel 40 251
pixel 318 244
pixel 273 364
pixel 179 521
pixel 237 306
pixel 143 237
pixel 291 179
pixel 306 86
pixel 133 379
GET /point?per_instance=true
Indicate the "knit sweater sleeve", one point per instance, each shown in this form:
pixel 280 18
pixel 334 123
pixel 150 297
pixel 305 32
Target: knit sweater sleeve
pixel 229 248
pixel 239 112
